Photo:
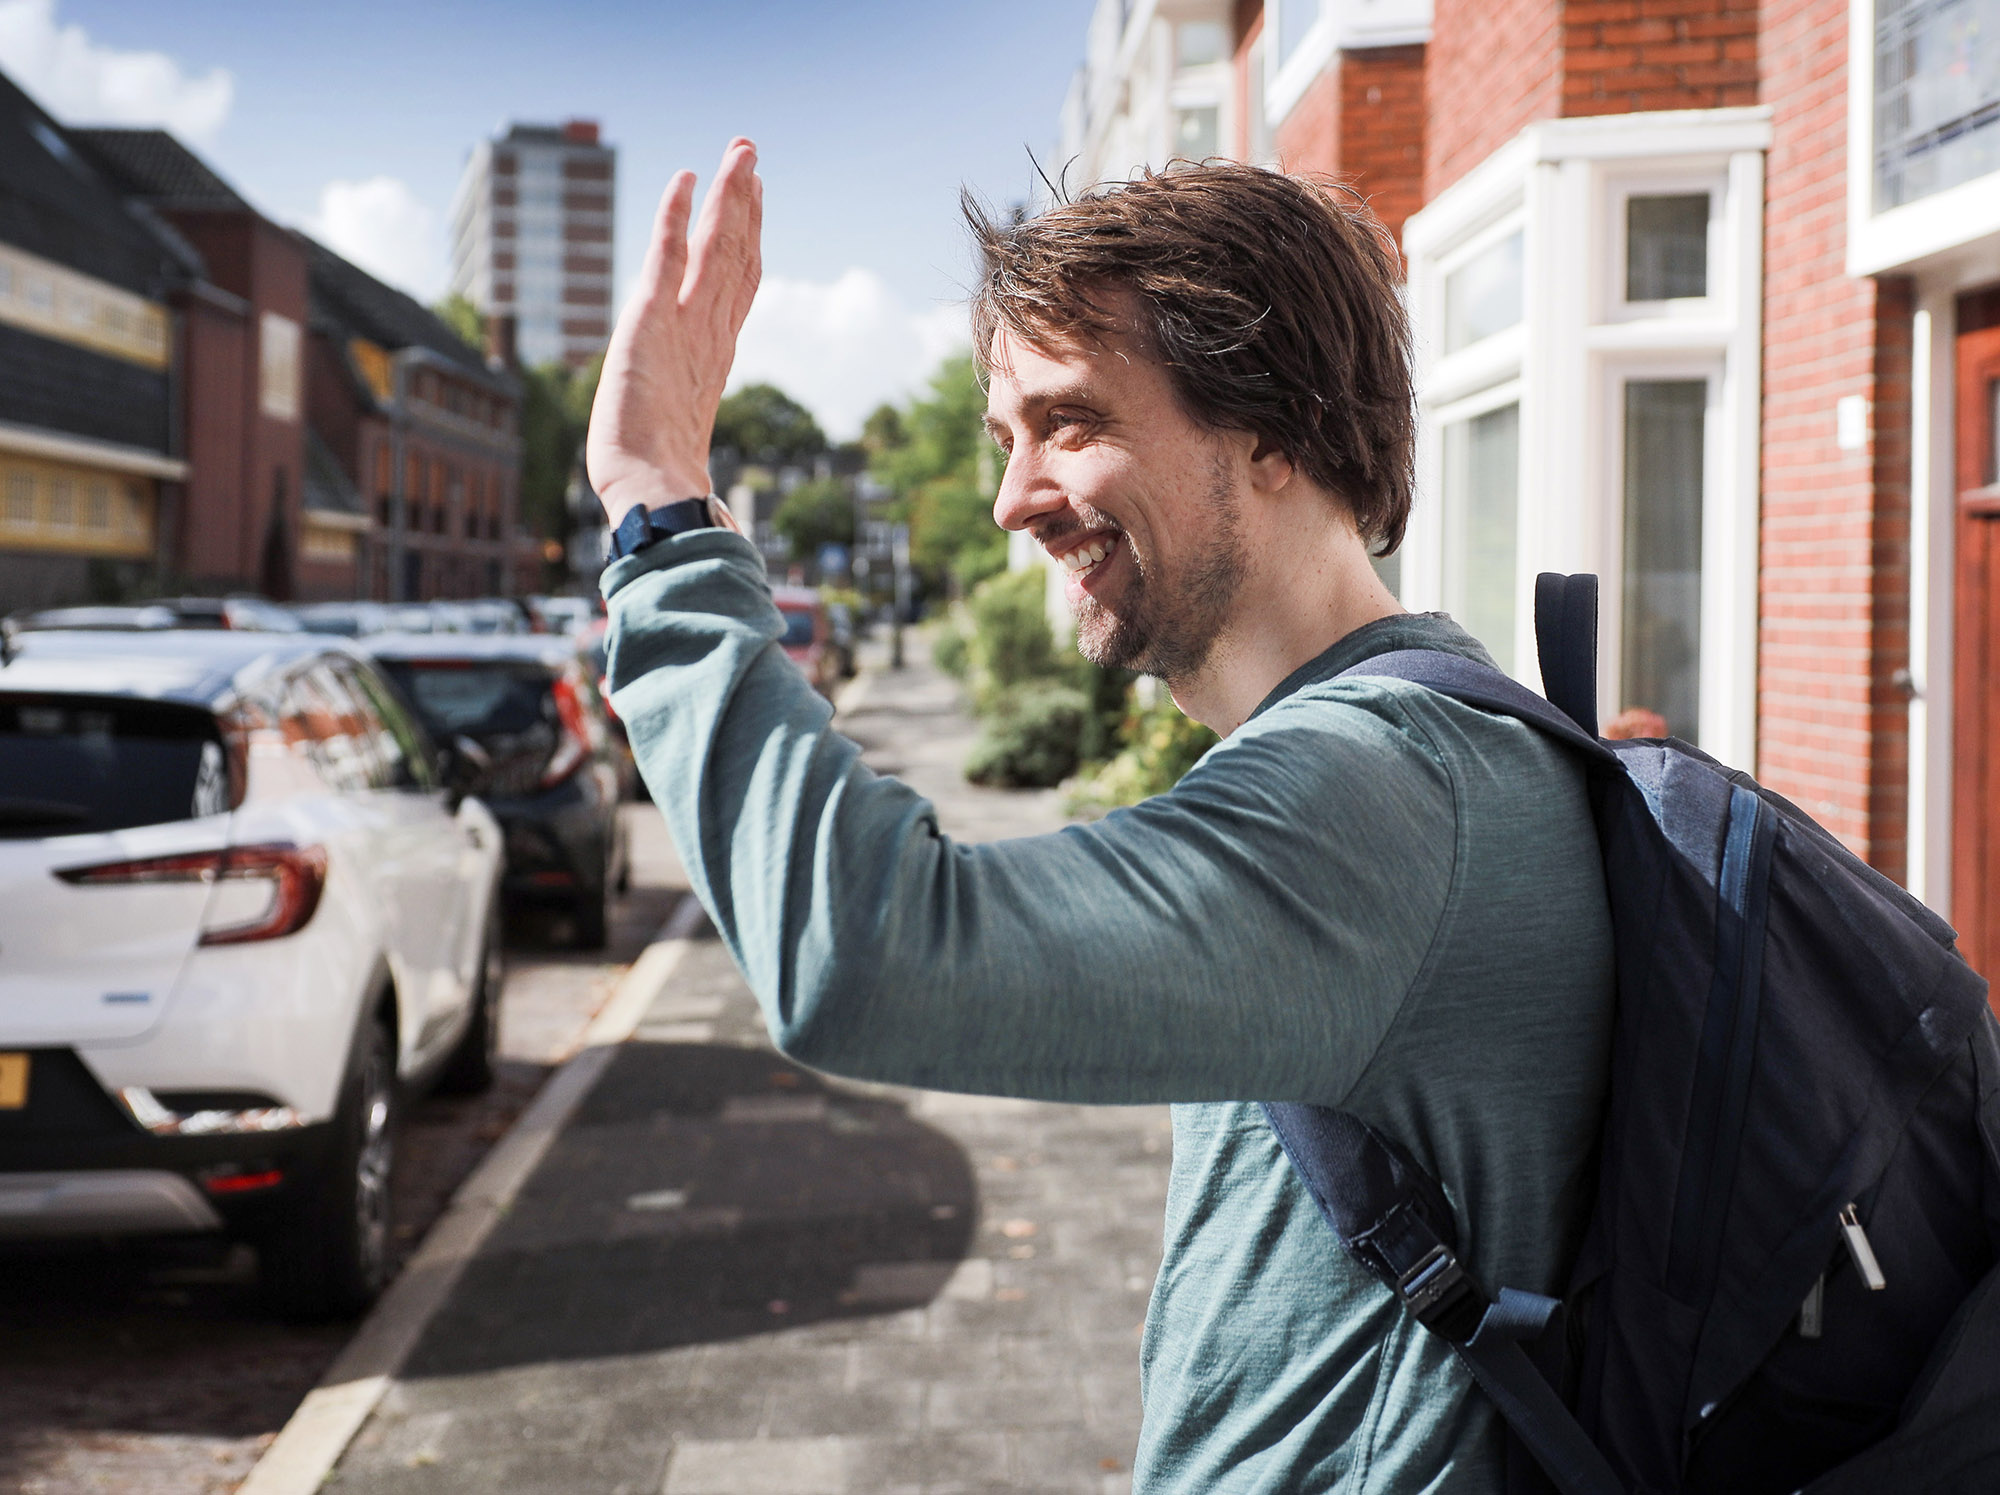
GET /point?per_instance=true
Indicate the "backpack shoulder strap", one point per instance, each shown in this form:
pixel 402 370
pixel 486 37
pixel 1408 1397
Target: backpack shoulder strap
pixel 1392 1217
pixel 1483 686
pixel 1566 641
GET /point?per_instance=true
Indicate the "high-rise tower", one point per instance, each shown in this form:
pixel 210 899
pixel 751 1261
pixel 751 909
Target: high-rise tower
pixel 531 238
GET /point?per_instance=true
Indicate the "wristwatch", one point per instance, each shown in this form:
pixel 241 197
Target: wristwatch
pixel 644 526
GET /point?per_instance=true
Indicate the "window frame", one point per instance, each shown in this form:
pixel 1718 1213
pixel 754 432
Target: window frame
pixel 1566 183
pixel 1924 233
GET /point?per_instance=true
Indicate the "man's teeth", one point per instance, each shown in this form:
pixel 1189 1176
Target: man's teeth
pixel 1081 559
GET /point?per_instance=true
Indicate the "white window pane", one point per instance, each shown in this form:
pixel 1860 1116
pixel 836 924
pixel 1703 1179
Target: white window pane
pixel 1666 247
pixel 1937 82
pixel 1483 295
pixel 1482 468
pixel 1295 19
pixel 1201 42
pixel 1665 422
pixel 1195 133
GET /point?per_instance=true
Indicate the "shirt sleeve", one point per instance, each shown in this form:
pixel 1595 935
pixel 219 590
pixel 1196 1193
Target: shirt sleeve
pixel 1249 935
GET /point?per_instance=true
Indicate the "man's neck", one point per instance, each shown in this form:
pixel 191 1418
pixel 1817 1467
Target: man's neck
pixel 1302 595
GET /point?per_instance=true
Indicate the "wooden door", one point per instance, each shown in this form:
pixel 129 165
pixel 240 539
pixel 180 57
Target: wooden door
pixel 1975 869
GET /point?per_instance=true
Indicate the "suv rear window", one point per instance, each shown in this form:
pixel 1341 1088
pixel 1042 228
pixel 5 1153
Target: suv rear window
pixel 475 699
pixel 72 764
pixel 798 628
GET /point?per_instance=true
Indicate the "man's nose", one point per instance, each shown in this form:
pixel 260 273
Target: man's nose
pixel 1027 492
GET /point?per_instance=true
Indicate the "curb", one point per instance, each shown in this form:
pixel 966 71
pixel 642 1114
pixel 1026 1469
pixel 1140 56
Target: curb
pixel 317 1434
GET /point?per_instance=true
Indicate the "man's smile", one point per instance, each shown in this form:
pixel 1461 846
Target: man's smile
pixel 1084 556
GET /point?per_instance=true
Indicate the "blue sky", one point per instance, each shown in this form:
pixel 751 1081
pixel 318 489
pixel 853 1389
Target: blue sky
pixel 354 120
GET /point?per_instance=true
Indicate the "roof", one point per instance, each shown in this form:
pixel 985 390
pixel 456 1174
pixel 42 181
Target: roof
pixel 57 202
pixel 153 165
pixel 196 667
pixel 348 296
pixel 326 489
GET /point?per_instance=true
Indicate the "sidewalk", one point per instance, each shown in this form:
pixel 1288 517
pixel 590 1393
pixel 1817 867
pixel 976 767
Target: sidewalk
pixel 729 1275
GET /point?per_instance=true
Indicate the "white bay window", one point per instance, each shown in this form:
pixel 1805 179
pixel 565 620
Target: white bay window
pixel 1586 305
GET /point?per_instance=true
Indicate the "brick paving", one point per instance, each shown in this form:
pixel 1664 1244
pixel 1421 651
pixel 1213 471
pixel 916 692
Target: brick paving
pixel 731 1276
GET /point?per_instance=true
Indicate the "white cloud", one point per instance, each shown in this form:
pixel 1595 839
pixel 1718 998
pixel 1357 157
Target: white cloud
pixel 842 348
pixel 81 82
pixel 386 229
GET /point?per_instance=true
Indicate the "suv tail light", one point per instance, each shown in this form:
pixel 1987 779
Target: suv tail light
pixel 296 874
pixel 573 743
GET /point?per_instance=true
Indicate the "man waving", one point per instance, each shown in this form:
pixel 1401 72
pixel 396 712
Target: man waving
pixel 1367 896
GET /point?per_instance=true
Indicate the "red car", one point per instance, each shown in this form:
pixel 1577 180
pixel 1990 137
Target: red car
pixel 807 634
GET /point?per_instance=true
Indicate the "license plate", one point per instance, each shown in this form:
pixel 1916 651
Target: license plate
pixel 13 1081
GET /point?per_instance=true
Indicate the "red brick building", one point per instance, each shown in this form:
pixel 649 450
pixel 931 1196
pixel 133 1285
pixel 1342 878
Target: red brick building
pixel 340 441
pixel 1707 301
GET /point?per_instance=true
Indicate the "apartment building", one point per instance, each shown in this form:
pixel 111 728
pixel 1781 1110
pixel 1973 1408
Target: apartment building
pixel 89 449
pixel 1707 300
pixel 531 239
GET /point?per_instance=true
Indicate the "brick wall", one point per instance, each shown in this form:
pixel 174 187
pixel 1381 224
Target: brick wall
pixel 1492 67
pixel 1308 139
pixel 1382 129
pixel 1834 565
pixel 1630 56
pixel 1497 65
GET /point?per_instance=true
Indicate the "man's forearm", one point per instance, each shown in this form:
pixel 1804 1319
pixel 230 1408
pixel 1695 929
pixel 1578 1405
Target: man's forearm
pixel 1134 960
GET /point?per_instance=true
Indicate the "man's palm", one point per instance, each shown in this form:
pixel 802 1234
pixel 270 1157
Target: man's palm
pixel 670 353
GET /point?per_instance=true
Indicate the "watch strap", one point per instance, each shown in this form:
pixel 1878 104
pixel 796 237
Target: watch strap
pixel 643 526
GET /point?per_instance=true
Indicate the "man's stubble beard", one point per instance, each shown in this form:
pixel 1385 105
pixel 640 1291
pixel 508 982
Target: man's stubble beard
pixel 1166 624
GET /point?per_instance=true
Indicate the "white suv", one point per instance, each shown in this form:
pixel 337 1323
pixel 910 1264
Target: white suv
pixel 240 919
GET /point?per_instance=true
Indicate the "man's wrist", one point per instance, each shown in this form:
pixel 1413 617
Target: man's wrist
pixel 653 490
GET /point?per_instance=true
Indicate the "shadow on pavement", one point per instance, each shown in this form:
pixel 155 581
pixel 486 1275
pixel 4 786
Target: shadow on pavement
pixel 704 1193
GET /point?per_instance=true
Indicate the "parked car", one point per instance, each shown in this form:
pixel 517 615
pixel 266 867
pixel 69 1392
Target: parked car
pixel 242 921
pixel 524 717
pixel 247 613
pixel 572 615
pixel 807 636
pixel 345 619
pixel 843 637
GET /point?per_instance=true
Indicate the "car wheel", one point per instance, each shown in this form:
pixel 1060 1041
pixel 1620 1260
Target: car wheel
pixel 328 1256
pixel 593 916
pixel 475 1061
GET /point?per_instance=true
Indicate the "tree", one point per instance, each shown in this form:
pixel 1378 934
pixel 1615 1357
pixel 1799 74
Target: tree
pixel 462 317
pixel 815 514
pixel 763 424
pixel 936 458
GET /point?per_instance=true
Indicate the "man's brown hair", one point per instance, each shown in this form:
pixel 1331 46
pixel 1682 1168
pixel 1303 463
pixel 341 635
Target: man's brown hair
pixel 1271 300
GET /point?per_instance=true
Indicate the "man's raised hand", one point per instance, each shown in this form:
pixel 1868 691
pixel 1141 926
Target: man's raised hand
pixel 670 353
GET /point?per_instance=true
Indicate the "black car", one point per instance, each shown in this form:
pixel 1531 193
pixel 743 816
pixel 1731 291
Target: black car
pixel 527 732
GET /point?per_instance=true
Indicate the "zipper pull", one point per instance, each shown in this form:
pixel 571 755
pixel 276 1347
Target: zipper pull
pixel 1812 1312
pixel 1862 1252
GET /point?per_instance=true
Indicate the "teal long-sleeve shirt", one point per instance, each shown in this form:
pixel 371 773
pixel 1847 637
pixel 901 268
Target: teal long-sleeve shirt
pixel 1368 896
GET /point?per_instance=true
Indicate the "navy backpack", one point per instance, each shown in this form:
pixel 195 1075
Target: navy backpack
pixel 1788 1281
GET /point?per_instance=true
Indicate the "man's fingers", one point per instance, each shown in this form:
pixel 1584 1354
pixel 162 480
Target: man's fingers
pixel 755 235
pixel 667 254
pixel 722 251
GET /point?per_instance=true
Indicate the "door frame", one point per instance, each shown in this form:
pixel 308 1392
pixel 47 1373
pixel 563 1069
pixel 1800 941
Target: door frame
pixel 1975 759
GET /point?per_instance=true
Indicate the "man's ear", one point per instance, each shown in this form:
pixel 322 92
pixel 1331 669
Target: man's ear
pixel 1270 468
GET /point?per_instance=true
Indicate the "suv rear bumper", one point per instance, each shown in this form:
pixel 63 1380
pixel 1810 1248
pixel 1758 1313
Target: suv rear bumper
pixel 107 1201
pixel 74 1162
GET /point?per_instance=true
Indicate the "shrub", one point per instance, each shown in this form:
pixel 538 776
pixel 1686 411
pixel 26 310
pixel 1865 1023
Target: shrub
pixel 1160 745
pixel 1011 641
pixel 951 651
pixel 1030 737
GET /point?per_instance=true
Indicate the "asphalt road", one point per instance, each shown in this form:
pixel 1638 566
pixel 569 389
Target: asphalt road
pixel 151 1368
